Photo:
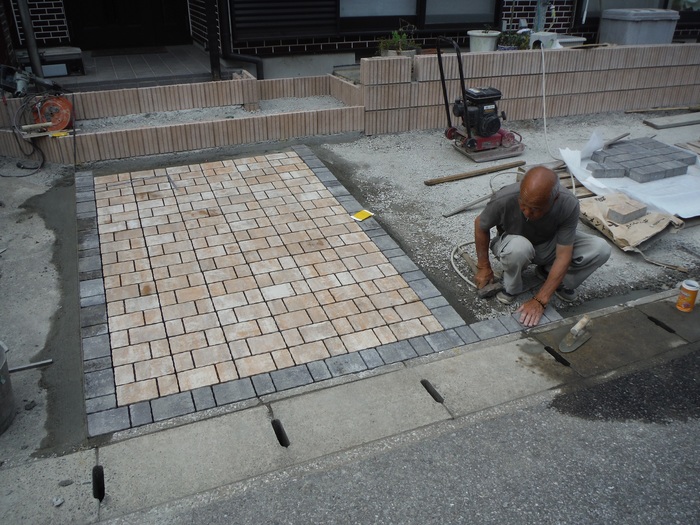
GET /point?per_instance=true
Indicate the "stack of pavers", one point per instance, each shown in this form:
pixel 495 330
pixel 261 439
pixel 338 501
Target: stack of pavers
pixel 642 160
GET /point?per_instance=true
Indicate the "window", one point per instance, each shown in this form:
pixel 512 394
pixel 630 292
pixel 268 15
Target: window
pixel 451 12
pixel 366 8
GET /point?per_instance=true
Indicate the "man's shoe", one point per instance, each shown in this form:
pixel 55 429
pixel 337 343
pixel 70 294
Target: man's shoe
pixel 504 297
pixel 566 294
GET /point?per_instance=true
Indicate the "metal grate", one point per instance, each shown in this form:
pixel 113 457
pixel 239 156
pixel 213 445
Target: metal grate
pixel 259 19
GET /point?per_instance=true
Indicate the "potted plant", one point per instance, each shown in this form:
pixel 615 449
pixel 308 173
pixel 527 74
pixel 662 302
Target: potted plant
pixel 512 41
pixel 398 44
pixel 483 39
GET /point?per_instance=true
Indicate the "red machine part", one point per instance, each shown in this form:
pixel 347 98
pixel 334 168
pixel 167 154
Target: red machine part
pixel 54 109
pixel 507 137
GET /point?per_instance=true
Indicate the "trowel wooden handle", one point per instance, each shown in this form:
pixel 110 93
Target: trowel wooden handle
pixel 578 327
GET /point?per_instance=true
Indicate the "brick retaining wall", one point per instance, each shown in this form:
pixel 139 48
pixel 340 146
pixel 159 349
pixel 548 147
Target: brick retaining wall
pixel 395 94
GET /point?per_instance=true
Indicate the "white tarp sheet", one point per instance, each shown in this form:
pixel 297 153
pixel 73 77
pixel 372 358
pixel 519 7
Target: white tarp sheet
pixel 678 195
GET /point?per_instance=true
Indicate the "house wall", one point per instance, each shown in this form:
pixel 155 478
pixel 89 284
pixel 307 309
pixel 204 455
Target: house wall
pixel 51 29
pixel 48 20
pixel 395 94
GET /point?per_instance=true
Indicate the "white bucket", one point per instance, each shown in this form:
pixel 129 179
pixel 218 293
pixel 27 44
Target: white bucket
pixel 480 40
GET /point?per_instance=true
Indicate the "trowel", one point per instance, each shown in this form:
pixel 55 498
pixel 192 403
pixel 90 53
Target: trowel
pixel 576 336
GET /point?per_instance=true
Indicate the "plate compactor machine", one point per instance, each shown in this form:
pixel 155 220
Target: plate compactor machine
pixel 479 134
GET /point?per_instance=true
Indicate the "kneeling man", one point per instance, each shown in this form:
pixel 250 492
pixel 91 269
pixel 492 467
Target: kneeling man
pixel 536 223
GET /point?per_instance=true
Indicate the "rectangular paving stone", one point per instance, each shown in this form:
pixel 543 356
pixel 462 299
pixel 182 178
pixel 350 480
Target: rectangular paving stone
pixel 93 315
pixel 413 276
pixel 99 383
pixel 93 365
pixel 447 317
pixel 398 351
pixel 108 421
pixel 421 346
pixel 88 241
pixel 82 208
pixel 92 287
pixel 140 414
pixel 446 340
pixel 92 300
pixel 346 364
pixel 435 302
pixel 91 331
pixel 233 391
pixel 385 242
pixel 263 384
pixel 96 347
pixel 511 324
pixel 88 264
pixel 403 264
pixel 203 398
pixel 100 404
pixel 341 193
pixel 291 377
pixel 489 329
pixel 319 370
pixel 172 406
pixel 466 334
pixel 84 196
pixel 371 358
pixel 425 289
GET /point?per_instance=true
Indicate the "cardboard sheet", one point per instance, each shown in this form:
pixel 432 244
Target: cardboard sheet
pixel 674 196
pixel 627 236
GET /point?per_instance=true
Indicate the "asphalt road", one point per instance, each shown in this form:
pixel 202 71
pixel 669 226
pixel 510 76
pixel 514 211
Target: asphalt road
pixel 620 451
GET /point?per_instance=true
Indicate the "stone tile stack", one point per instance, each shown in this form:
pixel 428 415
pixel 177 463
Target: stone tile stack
pixel 641 159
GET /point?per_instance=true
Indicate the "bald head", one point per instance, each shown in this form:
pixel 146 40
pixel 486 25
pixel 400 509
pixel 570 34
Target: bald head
pixel 538 191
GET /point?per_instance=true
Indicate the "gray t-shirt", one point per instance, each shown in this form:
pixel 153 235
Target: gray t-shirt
pixel 503 211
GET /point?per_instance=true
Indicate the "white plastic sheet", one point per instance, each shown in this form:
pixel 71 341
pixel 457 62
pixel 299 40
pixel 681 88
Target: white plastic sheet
pixel 678 195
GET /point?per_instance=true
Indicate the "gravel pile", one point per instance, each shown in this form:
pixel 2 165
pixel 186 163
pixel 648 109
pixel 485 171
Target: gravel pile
pixel 387 175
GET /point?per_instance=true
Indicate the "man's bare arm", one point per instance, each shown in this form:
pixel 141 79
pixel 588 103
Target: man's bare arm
pixel 482 238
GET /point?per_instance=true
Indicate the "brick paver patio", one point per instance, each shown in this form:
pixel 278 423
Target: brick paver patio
pixel 207 284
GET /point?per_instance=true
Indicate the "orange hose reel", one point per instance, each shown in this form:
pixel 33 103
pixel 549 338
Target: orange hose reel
pixel 54 109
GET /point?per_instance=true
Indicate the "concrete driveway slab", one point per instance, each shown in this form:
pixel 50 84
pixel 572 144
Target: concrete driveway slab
pixel 356 413
pixel 490 376
pixel 151 469
pixel 618 339
pixel 685 324
pixel 27 492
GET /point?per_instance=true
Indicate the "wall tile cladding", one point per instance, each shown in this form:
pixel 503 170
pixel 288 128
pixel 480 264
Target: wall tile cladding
pixel 577 82
pixel 48 21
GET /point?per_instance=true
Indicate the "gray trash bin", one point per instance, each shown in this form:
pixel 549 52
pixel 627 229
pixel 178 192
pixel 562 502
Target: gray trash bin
pixel 637 26
pixel 7 399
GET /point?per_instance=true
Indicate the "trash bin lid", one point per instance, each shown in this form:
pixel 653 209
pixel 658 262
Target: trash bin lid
pixel 640 14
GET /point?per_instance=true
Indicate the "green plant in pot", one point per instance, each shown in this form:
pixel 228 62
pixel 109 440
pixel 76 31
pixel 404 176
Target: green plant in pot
pixel 398 43
pixel 512 40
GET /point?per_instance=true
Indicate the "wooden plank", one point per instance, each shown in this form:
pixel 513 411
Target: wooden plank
pixel 483 171
pixel 673 121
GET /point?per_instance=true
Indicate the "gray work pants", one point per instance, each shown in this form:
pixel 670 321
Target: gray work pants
pixel 516 253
